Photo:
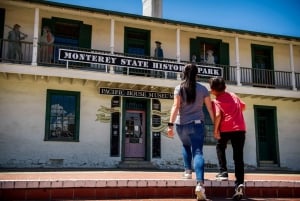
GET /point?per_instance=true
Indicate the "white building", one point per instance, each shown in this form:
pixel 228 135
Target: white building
pixel 102 100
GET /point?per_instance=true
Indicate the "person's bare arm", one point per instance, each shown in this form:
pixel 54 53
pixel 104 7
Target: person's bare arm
pixel 208 105
pixel 174 112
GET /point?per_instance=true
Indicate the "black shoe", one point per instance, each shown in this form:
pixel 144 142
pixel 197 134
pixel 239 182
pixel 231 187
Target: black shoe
pixel 222 176
pixel 239 192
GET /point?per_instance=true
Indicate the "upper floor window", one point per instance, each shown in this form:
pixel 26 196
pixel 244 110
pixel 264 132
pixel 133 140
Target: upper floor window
pixel 62 116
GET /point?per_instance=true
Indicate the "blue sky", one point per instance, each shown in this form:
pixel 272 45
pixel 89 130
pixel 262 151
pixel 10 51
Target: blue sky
pixel 280 17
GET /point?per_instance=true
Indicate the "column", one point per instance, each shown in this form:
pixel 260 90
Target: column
pixel 35 37
pixel 178 49
pixel 293 76
pixel 237 62
pixel 112 42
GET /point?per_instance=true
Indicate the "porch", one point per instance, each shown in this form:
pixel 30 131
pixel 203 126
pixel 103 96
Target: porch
pixel 234 75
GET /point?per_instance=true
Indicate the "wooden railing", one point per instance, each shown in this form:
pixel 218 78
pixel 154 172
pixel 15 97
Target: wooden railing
pixel 248 76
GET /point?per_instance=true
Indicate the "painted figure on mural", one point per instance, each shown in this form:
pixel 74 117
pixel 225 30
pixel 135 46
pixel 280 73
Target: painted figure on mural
pixel 14 46
pixel 194 58
pixel 46 42
pixel 210 57
pixel 158 52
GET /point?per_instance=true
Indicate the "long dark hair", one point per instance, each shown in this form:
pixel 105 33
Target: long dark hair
pixel 188 85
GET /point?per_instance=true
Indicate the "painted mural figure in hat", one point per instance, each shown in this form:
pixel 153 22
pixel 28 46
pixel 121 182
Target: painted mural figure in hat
pixel 46 42
pixel 14 45
pixel 158 52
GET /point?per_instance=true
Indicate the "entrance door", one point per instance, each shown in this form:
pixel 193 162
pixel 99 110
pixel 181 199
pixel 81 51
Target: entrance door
pixel 262 61
pixel 266 132
pixel 135 134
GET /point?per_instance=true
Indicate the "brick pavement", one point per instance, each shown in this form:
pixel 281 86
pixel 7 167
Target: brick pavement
pixel 116 184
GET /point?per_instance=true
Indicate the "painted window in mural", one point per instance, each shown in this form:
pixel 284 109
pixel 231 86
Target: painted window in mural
pixel 67 33
pixel 115 128
pixel 210 51
pixel 62 116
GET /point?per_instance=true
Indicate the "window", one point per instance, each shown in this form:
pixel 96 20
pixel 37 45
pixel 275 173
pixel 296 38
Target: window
pixel 262 64
pixel 210 51
pixel 62 116
pixel 69 32
pixel 208 128
pixel 136 43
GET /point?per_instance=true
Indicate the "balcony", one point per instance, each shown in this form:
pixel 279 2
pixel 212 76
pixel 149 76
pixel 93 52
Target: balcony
pixel 248 76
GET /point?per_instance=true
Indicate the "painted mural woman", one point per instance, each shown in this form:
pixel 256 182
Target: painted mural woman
pixel 46 45
pixel 187 120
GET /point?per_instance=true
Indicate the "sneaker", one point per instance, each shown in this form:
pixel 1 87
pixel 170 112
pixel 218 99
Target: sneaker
pixel 222 176
pixel 200 192
pixel 239 192
pixel 187 175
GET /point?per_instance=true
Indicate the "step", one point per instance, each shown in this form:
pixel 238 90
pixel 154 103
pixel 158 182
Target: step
pixel 137 185
pixel 133 164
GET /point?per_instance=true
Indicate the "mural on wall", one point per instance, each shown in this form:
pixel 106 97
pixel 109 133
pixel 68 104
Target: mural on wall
pixel 104 115
pixel 165 116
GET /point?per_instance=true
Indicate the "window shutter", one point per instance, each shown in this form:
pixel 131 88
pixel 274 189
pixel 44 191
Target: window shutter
pixel 85 36
pixel 224 53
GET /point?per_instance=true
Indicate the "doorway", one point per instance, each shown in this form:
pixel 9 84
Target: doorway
pixel 135 129
pixel 134 134
pixel 266 136
pixel 263 67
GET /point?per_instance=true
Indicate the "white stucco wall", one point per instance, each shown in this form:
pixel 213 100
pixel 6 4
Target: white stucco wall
pixel 23 106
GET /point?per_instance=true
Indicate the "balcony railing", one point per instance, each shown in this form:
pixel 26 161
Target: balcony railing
pixel 248 76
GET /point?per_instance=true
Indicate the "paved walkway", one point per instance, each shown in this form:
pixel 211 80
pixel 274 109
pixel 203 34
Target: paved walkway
pixel 101 182
pixel 28 174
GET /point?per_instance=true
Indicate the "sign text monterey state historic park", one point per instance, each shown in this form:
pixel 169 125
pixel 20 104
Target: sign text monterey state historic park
pixel 132 62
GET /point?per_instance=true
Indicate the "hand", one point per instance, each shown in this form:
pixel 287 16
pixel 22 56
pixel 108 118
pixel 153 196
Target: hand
pixel 217 135
pixel 170 132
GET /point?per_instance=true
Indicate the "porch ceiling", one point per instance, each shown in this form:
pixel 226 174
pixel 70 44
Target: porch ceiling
pixel 273 98
pixel 85 82
pixel 120 81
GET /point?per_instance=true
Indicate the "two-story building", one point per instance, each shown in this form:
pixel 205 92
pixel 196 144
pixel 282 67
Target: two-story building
pixel 97 97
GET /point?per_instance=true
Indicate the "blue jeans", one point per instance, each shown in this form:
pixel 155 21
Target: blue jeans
pixel 192 137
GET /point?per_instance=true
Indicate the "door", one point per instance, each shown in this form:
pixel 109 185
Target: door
pixel 262 64
pixel 266 132
pixel 134 134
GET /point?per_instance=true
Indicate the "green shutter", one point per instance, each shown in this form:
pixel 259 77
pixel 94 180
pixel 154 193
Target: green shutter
pixel 85 36
pixel 224 59
pixel 194 49
pixel 224 54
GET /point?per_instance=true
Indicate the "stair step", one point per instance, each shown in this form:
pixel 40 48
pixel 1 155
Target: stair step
pixel 131 164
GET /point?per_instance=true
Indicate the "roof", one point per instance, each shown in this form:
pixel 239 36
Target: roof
pixel 161 20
